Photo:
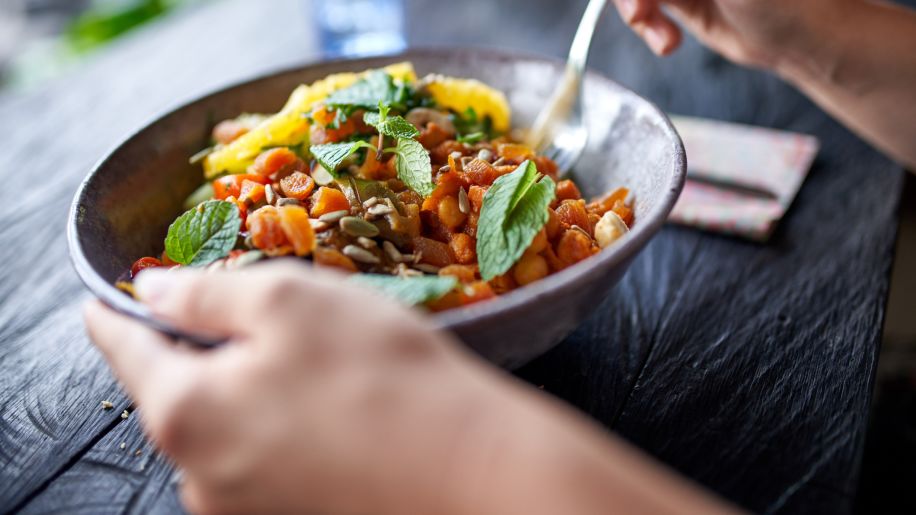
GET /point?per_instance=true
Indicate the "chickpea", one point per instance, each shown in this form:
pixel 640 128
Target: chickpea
pixel 553 224
pixel 530 268
pixel 573 247
pixel 538 244
pixel 449 213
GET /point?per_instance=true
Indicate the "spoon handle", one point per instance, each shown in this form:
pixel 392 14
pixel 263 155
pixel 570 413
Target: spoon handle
pixel 566 101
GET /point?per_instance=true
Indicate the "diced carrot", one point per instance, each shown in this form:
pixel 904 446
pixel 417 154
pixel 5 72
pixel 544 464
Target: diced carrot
pixel 463 248
pixel 432 136
pixel 442 151
pixel 464 273
pixel 297 185
pixel 546 166
pixel 477 291
pixel 331 257
pixel 606 203
pixel 295 223
pixel 274 160
pixel 572 212
pixel 624 212
pixel 447 184
pixel 231 185
pixel 475 196
pixel 251 192
pixel 266 229
pixel 327 200
pixel 553 225
pixel 450 300
pixel 514 152
pixel 567 190
pixel 432 252
pixel 530 268
pixel 573 247
pixel 503 283
pixel 481 172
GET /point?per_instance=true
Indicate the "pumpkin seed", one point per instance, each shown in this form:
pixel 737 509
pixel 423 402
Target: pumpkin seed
pixel 464 205
pixel 427 268
pixel 270 195
pixel 393 253
pixel 380 209
pixel 318 225
pixel 356 226
pixel 359 254
pixel 333 216
pixel 287 202
pixel 485 155
pixel 366 243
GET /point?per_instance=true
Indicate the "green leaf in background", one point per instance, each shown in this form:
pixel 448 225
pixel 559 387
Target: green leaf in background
pixel 471 139
pixel 514 210
pixel 106 21
pixel 409 290
pixel 331 155
pixel 204 234
pixel 391 126
pixel 414 166
pixel 366 93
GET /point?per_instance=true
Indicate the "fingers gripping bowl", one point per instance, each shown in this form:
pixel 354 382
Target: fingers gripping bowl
pixel 124 208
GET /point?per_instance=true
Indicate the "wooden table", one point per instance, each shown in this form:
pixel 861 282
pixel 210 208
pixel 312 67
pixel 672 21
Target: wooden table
pixel 746 367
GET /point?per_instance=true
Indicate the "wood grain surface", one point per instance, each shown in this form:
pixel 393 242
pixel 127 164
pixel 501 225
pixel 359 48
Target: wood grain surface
pixel 747 367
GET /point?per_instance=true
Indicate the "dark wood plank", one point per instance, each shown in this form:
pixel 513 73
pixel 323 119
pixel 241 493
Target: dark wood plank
pixel 745 366
pixel 52 380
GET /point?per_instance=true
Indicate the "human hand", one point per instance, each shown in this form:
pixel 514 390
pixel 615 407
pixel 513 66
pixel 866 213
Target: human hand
pixel 758 33
pixel 323 400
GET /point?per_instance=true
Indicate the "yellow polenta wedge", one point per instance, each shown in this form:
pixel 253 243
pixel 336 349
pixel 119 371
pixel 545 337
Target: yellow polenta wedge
pixel 460 94
pixel 289 126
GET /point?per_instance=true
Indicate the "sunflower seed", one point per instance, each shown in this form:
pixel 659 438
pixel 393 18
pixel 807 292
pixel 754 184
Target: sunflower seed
pixel 370 202
pixel 380 210
pixel 427 268
pixel 393 253
pixel 359 254
pixel 464 205
pixel 318 225
pixel 485 155
pixel 366 243
pixel 270 195
pixel 356 226
pixel 499 162
pixel 333 216
pixel 409 258
pixel 403 271
pixel 287 202
pixel 583 231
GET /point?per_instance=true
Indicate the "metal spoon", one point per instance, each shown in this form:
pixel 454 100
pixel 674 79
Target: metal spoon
pixel 559 131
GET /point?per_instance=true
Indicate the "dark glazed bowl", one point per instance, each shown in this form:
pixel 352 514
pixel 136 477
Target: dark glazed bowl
pixel 124 207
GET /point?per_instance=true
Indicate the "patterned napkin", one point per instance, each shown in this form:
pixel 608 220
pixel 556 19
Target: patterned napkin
pixel 740 179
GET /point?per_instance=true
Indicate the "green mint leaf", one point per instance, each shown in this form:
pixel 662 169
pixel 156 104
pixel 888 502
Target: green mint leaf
pixel 392 126
pixel 366 93
pixel 332 154
pixel 514 210
pixel 204 234
pixel 472 138
pixel 409 290
pixel 414 166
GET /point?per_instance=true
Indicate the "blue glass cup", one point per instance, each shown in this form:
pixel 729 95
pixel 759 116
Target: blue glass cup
pixel 356 28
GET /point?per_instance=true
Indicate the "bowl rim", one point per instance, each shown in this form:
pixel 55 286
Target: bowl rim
pixel 509 304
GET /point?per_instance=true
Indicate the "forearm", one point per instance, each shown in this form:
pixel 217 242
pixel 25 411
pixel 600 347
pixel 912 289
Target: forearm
pixel 549 460
pixel 860 66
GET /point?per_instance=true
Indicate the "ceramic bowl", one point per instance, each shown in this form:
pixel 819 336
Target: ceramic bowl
pixel 124 207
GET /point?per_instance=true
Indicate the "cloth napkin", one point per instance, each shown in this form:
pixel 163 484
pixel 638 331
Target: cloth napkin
pixel 741 179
